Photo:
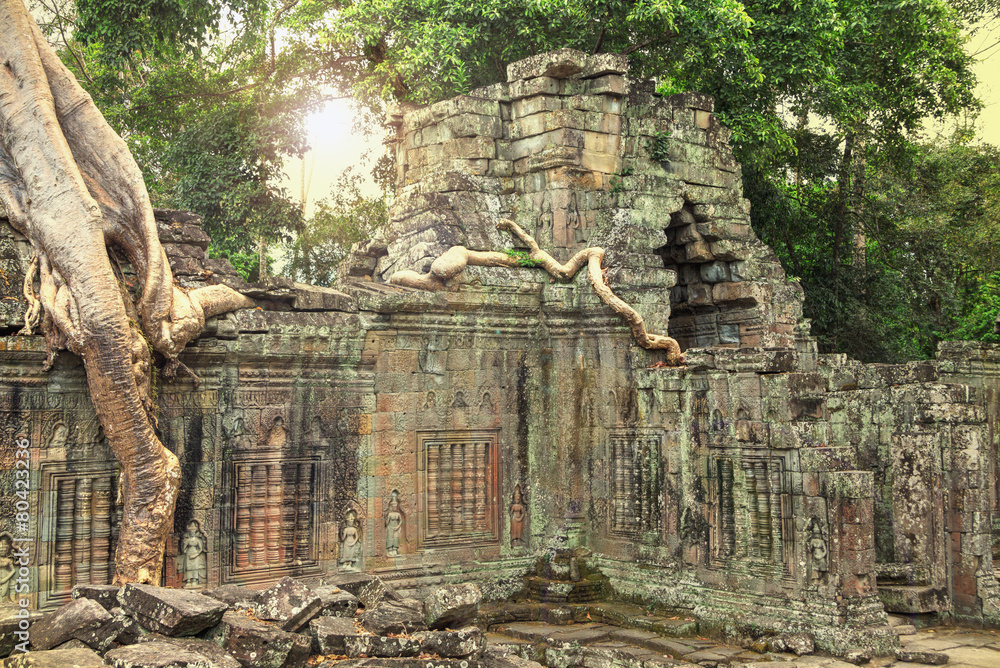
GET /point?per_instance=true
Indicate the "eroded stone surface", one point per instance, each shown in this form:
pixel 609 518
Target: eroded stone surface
pixel 290 602
pixel 402 616
pixel 451 605
pixel 55 658
pixel 172 612
pixel 258 645
pixel 461 643
pixel 76 619
pixel 330 634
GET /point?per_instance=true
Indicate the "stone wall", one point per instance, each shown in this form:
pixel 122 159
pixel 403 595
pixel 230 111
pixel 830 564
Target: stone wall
pixel 459 435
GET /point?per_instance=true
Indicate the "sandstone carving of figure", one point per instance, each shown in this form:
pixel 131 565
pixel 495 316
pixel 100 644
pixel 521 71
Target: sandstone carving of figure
pixel 277 437
pixel 818 550
pixel 194 551
pixel 393 525
pixel 7 569
pixel 518 513
pixel 60 433
pixel 350 542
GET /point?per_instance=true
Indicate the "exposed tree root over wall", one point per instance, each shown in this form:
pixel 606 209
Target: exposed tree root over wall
pixel 453 262
pixel 69 184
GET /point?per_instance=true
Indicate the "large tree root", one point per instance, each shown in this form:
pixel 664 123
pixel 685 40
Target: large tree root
pixel 69 184
pixel 452 262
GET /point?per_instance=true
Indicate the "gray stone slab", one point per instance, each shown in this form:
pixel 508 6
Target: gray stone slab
pixel 584 636
pixel 531 631
pixel 218 656
pixel 172 612
pixel 980 657
pixel 76 619
pixel 55 658
pixel 634 636
pixel 452 605
pixel 157 654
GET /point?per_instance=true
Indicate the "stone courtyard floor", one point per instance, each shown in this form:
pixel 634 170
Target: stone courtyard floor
pixel 595 645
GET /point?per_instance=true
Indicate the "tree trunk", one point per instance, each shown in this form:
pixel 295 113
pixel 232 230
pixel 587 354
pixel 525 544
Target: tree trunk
pixel 69 183
pixel 841 223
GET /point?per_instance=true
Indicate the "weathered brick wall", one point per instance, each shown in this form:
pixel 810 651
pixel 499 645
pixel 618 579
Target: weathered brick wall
pixel 460 434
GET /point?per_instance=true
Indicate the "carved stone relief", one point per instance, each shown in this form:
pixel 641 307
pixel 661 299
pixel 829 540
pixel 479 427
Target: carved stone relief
pixel 273 516
pixel 83 525
pixel 460 487
pixel 194 556
pixel 636 480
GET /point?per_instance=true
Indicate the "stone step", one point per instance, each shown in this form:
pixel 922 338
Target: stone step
pixel 911 599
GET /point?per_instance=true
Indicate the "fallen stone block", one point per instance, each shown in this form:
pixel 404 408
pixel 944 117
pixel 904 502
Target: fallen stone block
pixel 858 657
pixel 76 619
pixel 120 630
pixel 405 616
pixel 218 656
pixel 259 645
pixel 330 633
pixel 799 643
pixel 289 602
pixel 337 602
pixel 495 657
pixel 925 657
pixel 156 654
pixel 235 596
pixel 467 642
pixel 369 589
pixel 452 605
pixel 380 646
pixel 408 662
pixel 106 595
pixel 10 627
pixel 172 612
pixel 55 658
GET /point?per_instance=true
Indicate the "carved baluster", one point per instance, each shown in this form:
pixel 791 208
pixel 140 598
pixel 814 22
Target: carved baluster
pixel 763 510
pixel 445 495
pixel 775 502
pixel 728 506
pixel 82 527
pixel 289 509
pixel 100 542
pixel 258 516
pixel 303 516
pixel 479 486
pixel 753 507
pixel 456 488
pixel 645 488
pixel 469 466
pixel 65 497
pixel 277 549
pixel 631 491
pixel 242 517
pixel 433 502
pixel 618 521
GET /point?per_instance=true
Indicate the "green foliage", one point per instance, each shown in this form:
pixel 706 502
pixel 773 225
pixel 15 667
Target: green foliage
pixel 522 258
pixel 927 251
pixel 617 181
pixel 344 218
pixel 209 102
pixel 658 146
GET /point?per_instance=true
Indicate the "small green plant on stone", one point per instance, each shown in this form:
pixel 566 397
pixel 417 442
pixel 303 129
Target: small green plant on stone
pixel 522 258
pixel 617 181
pixel 659 146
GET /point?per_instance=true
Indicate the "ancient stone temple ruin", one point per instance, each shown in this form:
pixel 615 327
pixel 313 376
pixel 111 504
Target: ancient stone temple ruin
pixel 461 434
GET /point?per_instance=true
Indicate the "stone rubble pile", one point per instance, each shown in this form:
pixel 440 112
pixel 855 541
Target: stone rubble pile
pixel 351 620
